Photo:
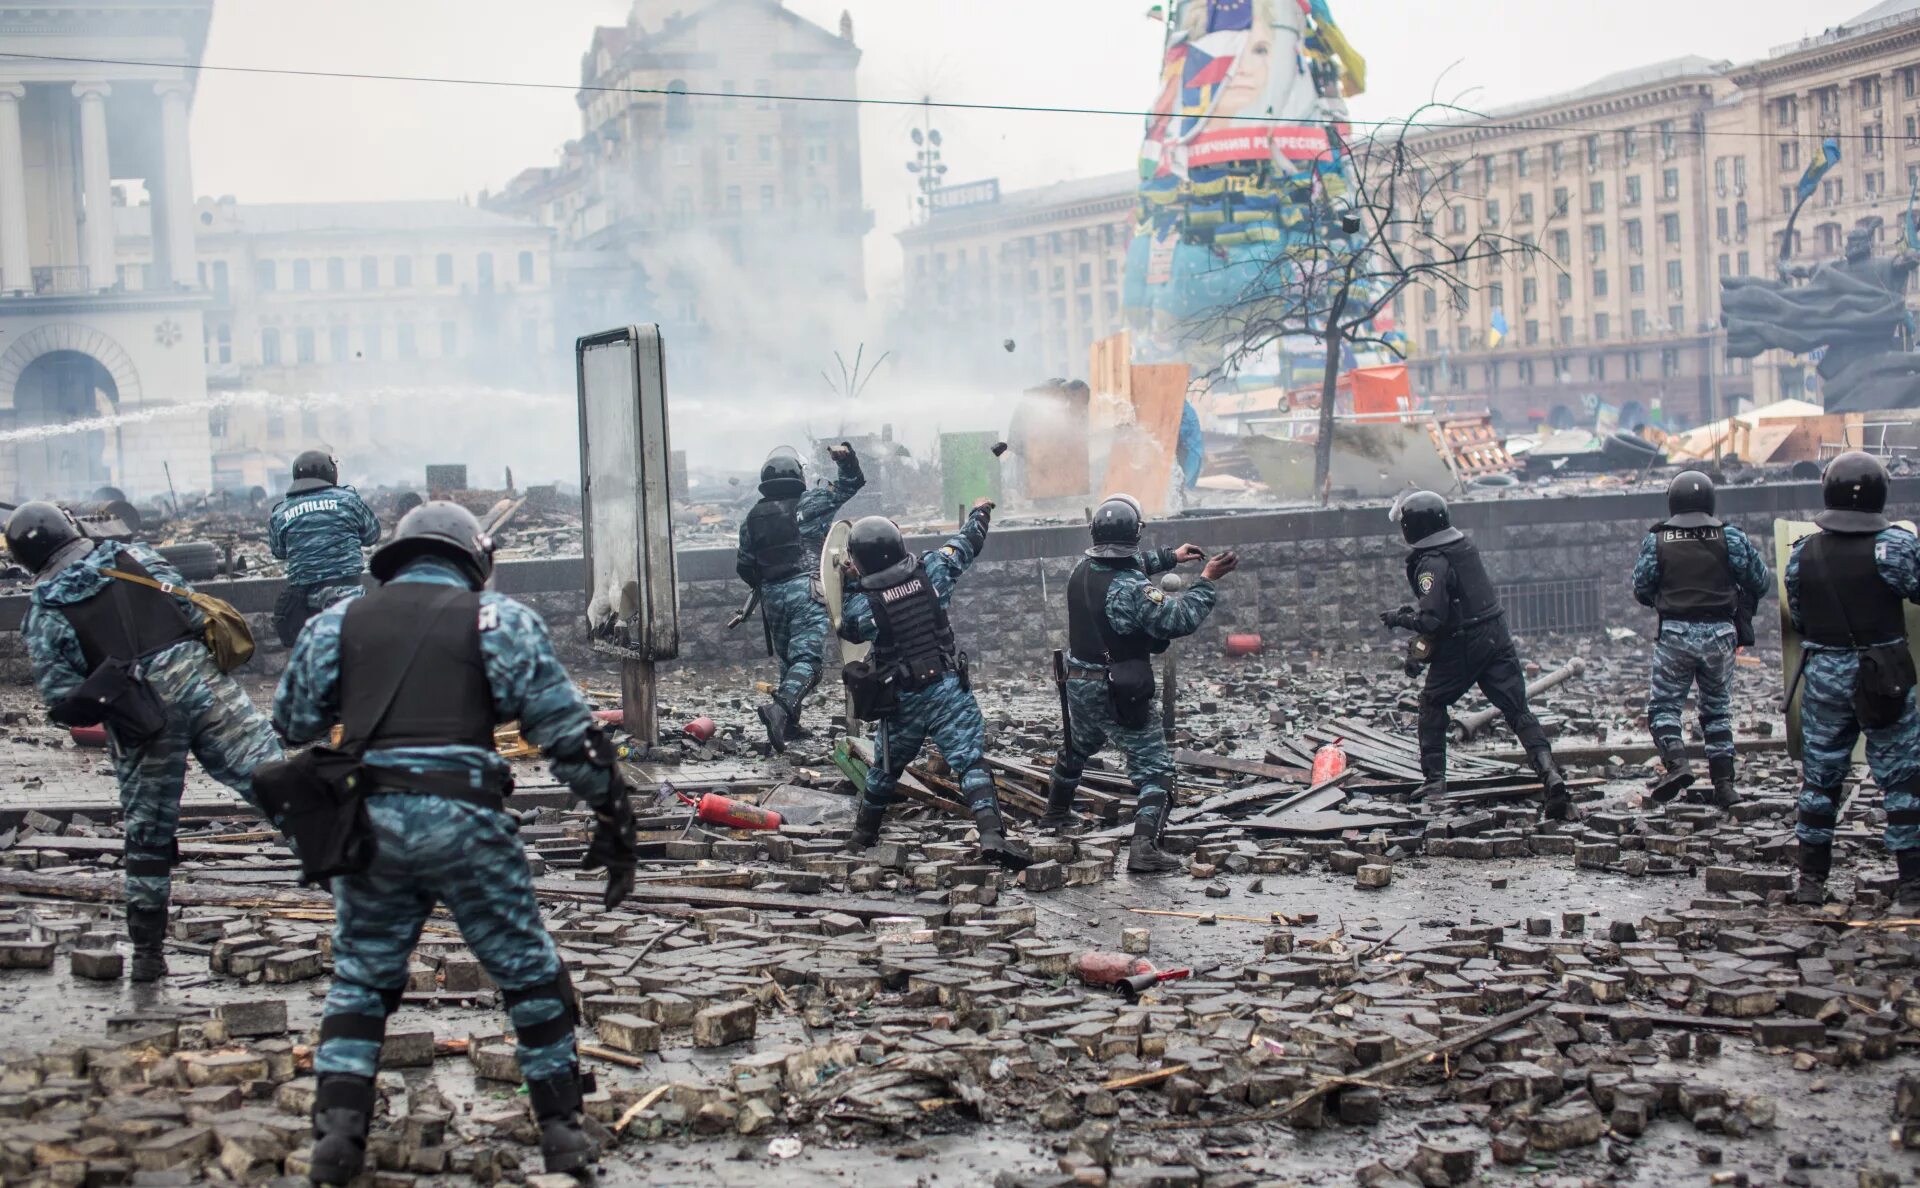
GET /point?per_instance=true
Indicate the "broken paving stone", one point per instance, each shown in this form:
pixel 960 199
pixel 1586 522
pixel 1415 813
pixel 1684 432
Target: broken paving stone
pixel 253 1019
pixel 98 965
pixel 719 1026
pixel 1373 876
pixel 629 1033
pixel 1566 1127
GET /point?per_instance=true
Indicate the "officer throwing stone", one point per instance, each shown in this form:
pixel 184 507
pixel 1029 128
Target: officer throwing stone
pixel 917 677
pixel 1694 570
pixel 146 649
pixel 1461 617
pixel 318 530
pixel 419 673
pixel 1116 621
pixel 1845 586
pixel 779 557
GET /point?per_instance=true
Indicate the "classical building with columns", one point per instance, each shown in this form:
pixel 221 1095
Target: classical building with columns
pixel 81 133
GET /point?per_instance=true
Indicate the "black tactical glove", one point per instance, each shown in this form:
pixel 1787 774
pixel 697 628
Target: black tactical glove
pixel 1412 667
pixel 612 845
pixel 848 461
pixel 1401 617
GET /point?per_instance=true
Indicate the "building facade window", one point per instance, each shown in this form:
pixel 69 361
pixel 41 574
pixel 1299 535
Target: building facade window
pixel 337 348
pixel 403 272
pixel 443 269
pixel 265 276
pixel 369 272
pixel 526 268
pixel 302 275
pixel 336 273
pixel 270 346
pixel 303 345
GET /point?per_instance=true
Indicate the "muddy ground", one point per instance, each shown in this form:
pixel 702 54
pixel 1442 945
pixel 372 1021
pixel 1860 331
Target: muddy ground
pixel 1833 1122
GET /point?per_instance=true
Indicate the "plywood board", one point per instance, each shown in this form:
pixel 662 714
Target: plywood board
pixel 1140 461
pixel 1049 440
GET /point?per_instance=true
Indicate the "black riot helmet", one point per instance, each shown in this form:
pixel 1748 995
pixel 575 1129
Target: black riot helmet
pixel 312 470
pixel 782 476
pixel 37 531
pixel 1116 528
pixel 1854 488
pixel 1424 519
pixel 878 551
pixel 1690 500
pixel 437 529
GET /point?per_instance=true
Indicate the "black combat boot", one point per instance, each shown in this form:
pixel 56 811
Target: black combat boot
pixel 1720 768
pixel 1815 864
pixel 342 1111
pixel 1059 818
pixel 866 828
pixel 1678 775
pixel 1434 770
pixel 775 718
pixel 994 843
pixel 1144 855
pixel 1556 805
pixel 147 928
pixel 1906 896
pixel 564 1143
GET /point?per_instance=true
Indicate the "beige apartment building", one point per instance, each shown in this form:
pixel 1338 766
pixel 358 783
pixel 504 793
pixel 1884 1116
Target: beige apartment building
pixel 715 188
pixel 1641 191
pixel 1041 267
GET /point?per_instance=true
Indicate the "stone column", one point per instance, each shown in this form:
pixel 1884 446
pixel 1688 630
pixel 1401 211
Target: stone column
pixel 96 183
pixel 173 242
pixel 16 270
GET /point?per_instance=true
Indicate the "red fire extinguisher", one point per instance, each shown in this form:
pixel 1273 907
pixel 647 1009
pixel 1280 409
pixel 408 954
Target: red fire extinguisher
pixel 1329 761
pixel 719 810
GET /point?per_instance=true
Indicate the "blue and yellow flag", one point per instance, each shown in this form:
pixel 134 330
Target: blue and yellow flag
pixel 1497 329
pixel 1824 160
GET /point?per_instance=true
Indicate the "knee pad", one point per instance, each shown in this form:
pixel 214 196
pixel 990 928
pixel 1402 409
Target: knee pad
pixel 558 988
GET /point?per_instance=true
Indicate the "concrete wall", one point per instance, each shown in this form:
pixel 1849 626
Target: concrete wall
pixel 1310 581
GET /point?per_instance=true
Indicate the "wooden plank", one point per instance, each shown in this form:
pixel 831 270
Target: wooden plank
pixel 1323 795
pixel 1250 767
pixel 1322 823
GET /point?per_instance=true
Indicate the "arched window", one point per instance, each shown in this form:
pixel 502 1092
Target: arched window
pixel 679 113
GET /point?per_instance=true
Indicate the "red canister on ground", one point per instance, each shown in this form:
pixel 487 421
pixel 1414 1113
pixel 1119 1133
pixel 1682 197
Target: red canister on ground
pixel 1245 644
pixel 89 736
pixel 1100 968
pixel 1328 762
pixel 699 730
pixel 715 809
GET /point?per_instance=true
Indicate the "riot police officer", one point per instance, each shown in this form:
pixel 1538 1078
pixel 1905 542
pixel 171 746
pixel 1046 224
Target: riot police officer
pixel 92 635
pixel 1695 570
pixel 1116 621
pixel 779 557
pixel 1460 616
pixel 318 530
pixel 1845 585
pixel 917 682
pixel 419 672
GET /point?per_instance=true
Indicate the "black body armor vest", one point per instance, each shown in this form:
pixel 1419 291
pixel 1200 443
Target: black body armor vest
pixel 1696 580
pixel 127 621
pixel 1837 566
pixel 1090 636
pixel 773 540
pixel 1470 589
pixel 444 697
pixel 915 638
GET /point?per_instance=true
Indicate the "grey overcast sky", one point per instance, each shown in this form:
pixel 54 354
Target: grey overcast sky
pixel 265 138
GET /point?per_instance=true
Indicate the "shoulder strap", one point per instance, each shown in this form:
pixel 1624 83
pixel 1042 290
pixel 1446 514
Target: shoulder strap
pixel 142 580
pixel 354 733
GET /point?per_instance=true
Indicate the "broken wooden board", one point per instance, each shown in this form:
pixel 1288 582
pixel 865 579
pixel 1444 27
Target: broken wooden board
pixel 683 898
pixel 1249 767
pixel 1319 824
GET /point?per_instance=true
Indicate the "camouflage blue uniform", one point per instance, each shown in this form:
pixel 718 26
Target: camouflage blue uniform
pixel 434 850
pixel 208 715
pixel 944 711
pixel 319 534
pixel 1690 652
pixel 797 621
pixel 1135 606
pixel 1828 727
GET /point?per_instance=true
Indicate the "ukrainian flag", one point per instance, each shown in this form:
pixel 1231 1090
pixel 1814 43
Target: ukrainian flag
pixel 1824 160
pixel 1497 329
